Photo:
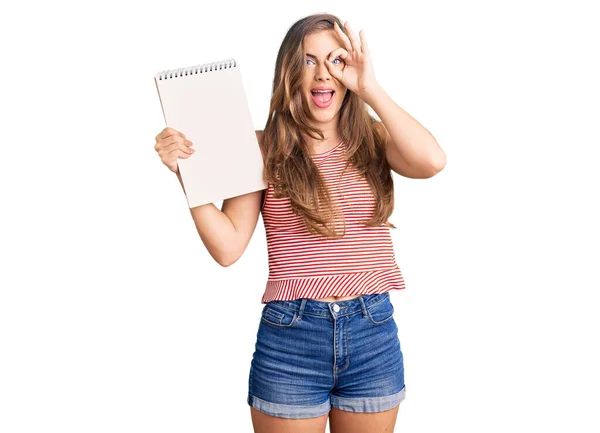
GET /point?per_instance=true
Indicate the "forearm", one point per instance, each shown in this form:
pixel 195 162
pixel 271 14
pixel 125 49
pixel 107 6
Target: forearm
pixel 414 142
pixel 215 229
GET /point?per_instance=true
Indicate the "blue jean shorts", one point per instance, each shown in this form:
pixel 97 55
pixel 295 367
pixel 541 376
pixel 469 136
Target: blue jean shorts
pixel 311 355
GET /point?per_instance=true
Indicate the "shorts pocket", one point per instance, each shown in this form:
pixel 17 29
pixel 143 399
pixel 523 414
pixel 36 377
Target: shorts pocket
pixel 275 315
pixel 381 311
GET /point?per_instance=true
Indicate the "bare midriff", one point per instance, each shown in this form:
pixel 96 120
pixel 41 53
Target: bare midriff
pixel 335 298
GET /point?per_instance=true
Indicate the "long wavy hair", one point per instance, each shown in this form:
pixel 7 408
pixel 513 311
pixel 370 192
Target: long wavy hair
pixel 288 163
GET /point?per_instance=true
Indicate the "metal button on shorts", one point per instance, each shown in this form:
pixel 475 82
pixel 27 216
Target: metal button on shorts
pixel 312 355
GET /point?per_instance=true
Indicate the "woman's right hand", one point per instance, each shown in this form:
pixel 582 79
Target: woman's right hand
pixel 170 145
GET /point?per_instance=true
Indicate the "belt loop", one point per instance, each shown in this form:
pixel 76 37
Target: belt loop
pixel 301 308
pixel 363 306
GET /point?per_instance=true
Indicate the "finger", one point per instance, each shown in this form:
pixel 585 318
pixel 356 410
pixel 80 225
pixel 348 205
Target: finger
pixel 168 155
pixel 338 52
pixel 174 131
pixel 337 69
pixel 176 143
pixel 342 36
pixel 335 72
pixel 164 149
pixel 353 40
pixel 185 154
pixel 363 42
pixel 170 143
pixel 168 132
pixel 180 144
pixel 185 148
pixel 177 152
pixel 177 140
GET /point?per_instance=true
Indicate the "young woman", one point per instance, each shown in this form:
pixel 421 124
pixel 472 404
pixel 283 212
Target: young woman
pixel 327 343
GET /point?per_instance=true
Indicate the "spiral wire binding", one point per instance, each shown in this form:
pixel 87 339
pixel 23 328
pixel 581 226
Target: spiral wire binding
pixel 197 69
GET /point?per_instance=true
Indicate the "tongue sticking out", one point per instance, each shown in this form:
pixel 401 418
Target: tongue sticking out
pixel 323 97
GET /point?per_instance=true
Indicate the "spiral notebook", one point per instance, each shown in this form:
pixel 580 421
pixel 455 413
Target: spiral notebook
pixel 208 104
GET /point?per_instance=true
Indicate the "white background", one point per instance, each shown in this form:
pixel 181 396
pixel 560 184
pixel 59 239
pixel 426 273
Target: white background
pixel 114 317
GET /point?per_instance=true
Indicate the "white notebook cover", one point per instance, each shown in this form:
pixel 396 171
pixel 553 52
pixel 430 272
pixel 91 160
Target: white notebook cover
pixel 208 104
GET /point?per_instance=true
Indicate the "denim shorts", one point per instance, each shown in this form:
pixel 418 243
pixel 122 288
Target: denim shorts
pixel 311 355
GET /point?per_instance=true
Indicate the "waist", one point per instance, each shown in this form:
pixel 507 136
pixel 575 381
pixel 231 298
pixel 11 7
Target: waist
pixel 335 298
pixel 347 307
pixel 338 285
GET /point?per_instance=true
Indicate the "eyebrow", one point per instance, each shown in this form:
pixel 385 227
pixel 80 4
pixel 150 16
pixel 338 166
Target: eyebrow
pixel 313 56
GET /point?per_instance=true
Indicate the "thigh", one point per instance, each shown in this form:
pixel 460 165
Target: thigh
pixel 372 377
pixel 290 372
pixel 263 423
pixel 341 421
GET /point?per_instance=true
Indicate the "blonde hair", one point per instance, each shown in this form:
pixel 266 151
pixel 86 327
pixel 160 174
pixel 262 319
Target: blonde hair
pixel 288 164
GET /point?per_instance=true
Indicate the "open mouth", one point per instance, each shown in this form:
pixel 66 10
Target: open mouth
pixel 322 99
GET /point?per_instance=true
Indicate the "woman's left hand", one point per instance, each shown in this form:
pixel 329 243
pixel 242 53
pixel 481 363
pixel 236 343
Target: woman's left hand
pixel 357 72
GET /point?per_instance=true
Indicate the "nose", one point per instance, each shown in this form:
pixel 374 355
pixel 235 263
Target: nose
pixel 322 73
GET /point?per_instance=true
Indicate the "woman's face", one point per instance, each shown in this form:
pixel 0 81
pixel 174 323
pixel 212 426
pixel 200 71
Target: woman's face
pixel 317 48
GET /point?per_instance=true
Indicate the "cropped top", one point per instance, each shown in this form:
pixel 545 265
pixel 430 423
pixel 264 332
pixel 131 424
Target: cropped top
pixel 306 265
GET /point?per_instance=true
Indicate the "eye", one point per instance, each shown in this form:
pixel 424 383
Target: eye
pixel 337 58
pixel 308 60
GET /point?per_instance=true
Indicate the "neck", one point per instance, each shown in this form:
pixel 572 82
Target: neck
pixel 331 139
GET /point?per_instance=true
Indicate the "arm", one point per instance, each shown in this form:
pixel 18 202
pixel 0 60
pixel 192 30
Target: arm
pixel 227 232
pixel 411 150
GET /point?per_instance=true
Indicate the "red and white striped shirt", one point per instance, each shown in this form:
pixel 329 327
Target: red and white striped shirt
pixel 304 265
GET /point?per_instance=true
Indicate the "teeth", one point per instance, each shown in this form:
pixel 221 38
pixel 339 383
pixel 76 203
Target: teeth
pixel 322 91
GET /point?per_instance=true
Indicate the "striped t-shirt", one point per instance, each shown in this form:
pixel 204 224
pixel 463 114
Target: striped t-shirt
pixel 305 265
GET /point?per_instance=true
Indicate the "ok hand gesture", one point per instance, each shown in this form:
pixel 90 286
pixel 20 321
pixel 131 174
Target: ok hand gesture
pixel 357 74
